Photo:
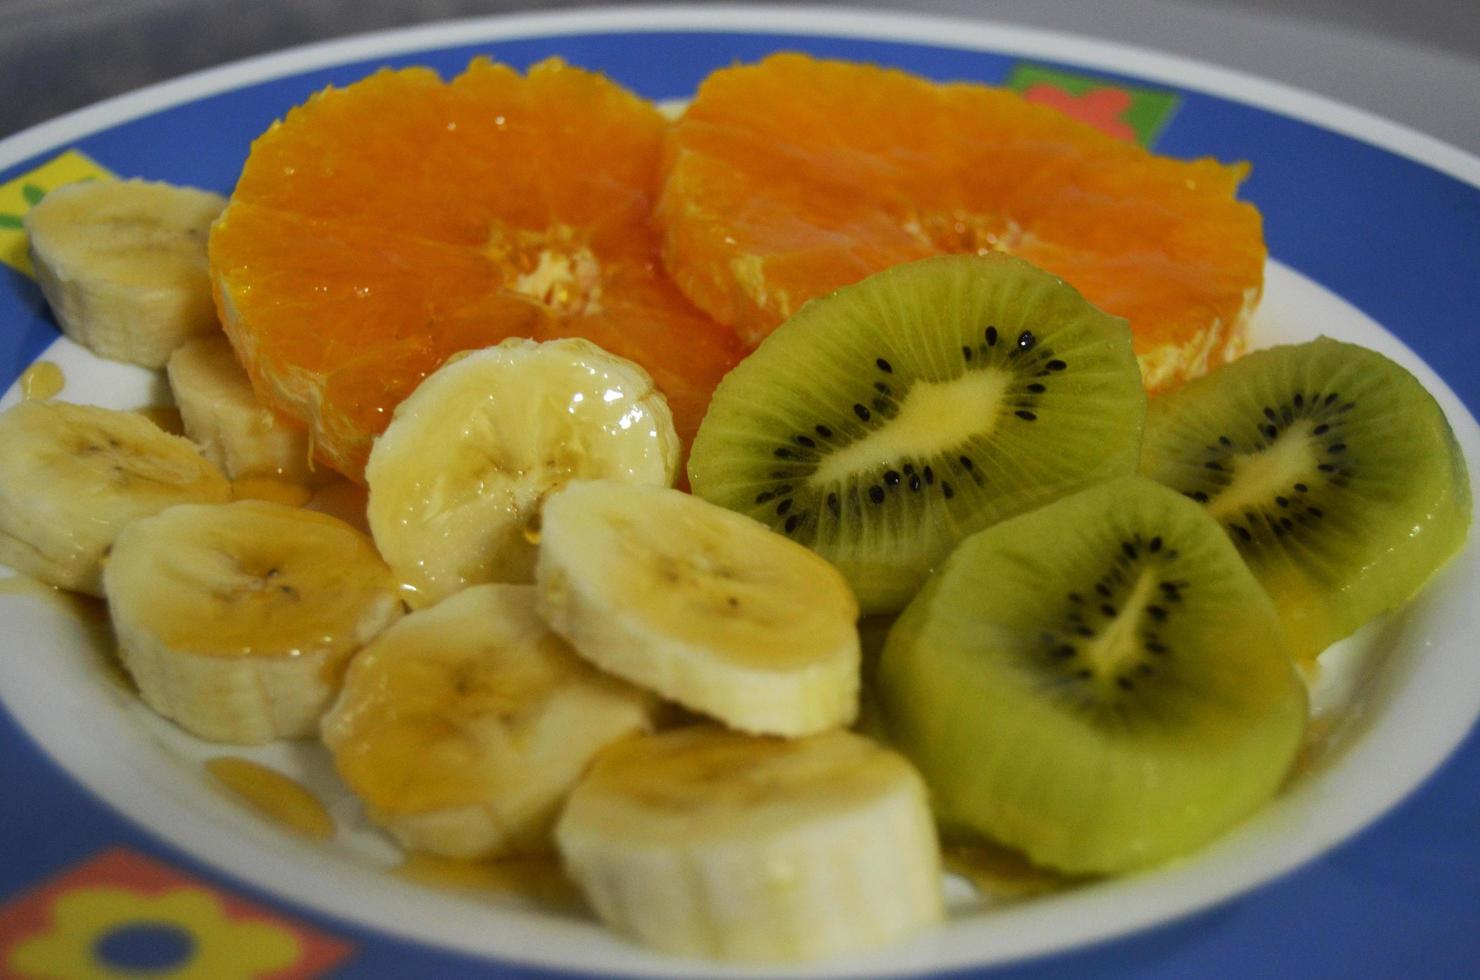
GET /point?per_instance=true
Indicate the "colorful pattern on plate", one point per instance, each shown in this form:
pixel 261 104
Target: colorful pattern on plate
pixel 21 194
pixel 1126 112
pixel 120 914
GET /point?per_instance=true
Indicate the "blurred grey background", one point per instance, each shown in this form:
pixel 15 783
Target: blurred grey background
pixel 1414 61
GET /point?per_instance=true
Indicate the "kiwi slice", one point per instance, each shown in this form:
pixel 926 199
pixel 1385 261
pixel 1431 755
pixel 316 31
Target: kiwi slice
pixel 883 423
pixel 1100 683
pixel 1332 469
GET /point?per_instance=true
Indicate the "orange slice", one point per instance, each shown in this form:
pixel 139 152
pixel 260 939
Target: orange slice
pixel 790 178
pixel 380 228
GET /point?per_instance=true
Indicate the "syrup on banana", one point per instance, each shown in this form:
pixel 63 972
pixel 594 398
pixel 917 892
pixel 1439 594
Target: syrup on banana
pixel 72 476
pixel 701 604
pixel 123 265
pixel 705 842
pixel 236 620
pixel 458 478
pixel 464 726
pixel 222 416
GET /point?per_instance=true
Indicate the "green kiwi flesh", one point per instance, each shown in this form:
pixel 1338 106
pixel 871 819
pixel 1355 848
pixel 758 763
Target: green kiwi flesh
pixel 1100 683
pixel 885 422
pixel 1332 469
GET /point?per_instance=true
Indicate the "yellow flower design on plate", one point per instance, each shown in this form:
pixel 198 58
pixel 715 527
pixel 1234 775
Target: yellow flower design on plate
pixel 19 195
pixel 109 933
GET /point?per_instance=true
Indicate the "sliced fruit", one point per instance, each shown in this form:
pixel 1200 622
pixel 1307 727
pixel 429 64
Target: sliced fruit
pixel 407 219
pixel 458 478
pixel 882 424
pixel 703 842
pixel 236 620
pixel 1100 683
pixel 222 416
pixel 72 476
pixel 464 726
pixel 792 177
pixel 123 265
pixel 700 604
pixel 1333 470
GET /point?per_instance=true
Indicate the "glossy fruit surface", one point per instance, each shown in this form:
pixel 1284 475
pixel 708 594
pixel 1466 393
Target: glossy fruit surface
pixel 794 176
pixel 379 228
pixel 1100 683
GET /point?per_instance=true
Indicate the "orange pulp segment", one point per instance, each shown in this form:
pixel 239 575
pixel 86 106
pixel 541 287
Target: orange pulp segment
pixel 379 228
pixel 792 177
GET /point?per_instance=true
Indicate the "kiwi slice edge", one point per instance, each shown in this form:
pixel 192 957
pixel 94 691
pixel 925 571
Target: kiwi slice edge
pixel 883 423
pixel 1333 470
pixel 1178 713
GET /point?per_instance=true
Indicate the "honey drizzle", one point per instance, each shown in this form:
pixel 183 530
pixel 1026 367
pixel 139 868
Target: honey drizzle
pixel 271 490
pixel 167 417
pixel 538 880
pixel 280 798
pixel 345 500
pixel 1000 873
pixel 40 381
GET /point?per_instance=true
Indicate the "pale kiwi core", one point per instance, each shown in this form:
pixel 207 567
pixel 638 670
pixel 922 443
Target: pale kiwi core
pixel 1118 644
pixel 935 417
pixel 1259 477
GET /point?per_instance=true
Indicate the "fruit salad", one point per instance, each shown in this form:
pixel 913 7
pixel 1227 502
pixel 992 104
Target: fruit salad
pixel 602 604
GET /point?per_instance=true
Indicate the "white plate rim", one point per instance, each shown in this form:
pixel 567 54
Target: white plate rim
pixel 985 35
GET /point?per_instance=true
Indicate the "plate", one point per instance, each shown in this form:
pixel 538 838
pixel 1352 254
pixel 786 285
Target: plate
pixel 1373 239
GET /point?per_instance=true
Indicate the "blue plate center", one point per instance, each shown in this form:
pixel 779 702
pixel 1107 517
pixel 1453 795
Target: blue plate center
pixel 151 946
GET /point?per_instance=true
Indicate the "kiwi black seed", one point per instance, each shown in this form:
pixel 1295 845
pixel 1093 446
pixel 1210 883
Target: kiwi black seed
pixel 914 442
pixel 1332 469
pixel 1100 683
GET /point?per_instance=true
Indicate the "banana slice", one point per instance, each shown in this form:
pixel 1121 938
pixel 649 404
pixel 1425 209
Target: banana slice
pixel 702 605
pixel 457 479
pixel 235 620
pixel 72 476
pixel 123 265
pixel 711 843
pixel 222 416
pixel 464 726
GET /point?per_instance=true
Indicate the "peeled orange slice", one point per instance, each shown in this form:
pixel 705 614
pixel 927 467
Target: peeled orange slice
pixel 382 227
pixel 792 177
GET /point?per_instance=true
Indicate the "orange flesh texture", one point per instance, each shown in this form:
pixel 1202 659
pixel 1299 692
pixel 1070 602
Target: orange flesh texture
pixel 380 228
pixel 790 178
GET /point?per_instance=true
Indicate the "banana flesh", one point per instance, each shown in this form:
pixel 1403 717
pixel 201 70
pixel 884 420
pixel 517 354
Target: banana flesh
pixel 464 726
pixel 222 416
pixel 711 843
pixel 458 478
pixel 123 265
pixel 73 476
pixel 705 606
pixel 236 620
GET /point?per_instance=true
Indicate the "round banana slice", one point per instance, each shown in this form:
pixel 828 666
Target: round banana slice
pixel 705 606
pixel 710 843
pixel 458 478
pixel 123 265
pixel 235 620
pixel 221 415
pixel 464 726
pixel 72 476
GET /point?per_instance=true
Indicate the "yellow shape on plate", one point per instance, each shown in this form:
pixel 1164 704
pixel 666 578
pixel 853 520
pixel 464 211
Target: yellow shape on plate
pixel 20 194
